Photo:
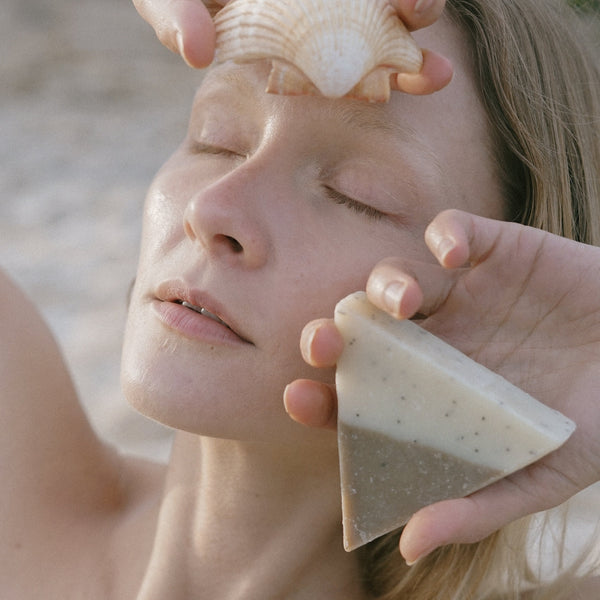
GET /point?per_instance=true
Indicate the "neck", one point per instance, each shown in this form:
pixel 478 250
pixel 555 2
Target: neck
pixel 246 520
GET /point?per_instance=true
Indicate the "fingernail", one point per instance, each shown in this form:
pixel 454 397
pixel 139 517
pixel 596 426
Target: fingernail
pixel 444 247
pixel 422 6
pixel 285 393
pixel 180 46
pixel 392 295
pixel 179 40
pixel 419 557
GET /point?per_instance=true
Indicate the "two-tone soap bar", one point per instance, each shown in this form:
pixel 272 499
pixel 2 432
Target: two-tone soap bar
pixel 420 422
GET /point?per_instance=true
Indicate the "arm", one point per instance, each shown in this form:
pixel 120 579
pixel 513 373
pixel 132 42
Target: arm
pixel 51 462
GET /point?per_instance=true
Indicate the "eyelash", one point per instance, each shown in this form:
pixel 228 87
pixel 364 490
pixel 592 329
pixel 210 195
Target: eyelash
pixel 359 207
pixel 201 148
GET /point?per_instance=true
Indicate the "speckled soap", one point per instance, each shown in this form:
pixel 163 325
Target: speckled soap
pixel 419 422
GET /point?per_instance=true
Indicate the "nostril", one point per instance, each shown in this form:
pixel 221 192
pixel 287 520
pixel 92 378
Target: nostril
pixel 235 245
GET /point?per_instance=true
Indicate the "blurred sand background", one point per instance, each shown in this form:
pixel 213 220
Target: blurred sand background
pixel 90 106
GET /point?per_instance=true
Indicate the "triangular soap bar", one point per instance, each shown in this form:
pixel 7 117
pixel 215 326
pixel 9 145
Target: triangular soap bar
pixel 418 422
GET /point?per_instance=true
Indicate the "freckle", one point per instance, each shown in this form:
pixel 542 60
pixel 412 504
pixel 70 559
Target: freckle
pixel 358 414
pixel 483 418
pixel 476 450
pixel 477 433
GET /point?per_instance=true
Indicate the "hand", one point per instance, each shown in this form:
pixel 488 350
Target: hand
pixel 524 303
pixel 186 27
pixel 183 26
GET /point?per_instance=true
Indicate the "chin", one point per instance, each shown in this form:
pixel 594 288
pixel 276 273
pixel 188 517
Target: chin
pixel 207 404
pixel 215 392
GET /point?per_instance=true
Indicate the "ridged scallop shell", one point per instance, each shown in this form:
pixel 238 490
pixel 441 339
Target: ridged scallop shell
pixel 332 47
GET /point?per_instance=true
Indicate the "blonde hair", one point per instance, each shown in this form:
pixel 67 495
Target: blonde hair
pixel 536 63
pixel 539 81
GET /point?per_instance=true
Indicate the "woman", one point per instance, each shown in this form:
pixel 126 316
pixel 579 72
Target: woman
pixel 271 210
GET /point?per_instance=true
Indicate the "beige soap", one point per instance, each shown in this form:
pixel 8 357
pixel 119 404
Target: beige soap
pixel 419 422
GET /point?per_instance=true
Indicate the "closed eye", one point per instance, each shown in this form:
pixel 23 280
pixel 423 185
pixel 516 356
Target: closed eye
pixel 359 207
pixel 202 148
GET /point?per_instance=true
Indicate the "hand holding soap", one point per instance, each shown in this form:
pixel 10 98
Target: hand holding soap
pixel 420 422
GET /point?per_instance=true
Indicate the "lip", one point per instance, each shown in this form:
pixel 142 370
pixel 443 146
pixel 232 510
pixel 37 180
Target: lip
pixel 213 324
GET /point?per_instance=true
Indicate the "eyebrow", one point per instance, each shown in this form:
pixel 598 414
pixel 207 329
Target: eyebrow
pixel 221 83
pixel 374 118
pixel 361 115
pixel 368 117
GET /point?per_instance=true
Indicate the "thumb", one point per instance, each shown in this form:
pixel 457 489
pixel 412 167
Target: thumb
pixel 183 26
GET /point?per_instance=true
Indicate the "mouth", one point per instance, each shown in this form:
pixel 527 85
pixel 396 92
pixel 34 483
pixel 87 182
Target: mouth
pixel 196 313
pixel 203 311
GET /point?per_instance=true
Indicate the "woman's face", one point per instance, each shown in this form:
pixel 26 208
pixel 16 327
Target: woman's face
pixel 272 210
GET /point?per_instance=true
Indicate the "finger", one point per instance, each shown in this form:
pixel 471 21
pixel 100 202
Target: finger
pixel 418 13
pixel 311 403
pixel 183 26
pixel 471 519
pixel 435 74
pixel 456 238
pixel 321 343
pixel 407 289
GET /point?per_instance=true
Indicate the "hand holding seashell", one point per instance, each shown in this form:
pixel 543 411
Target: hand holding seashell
pixel 359 49
pixel 184 26
pixel 331 52
pixel 529 302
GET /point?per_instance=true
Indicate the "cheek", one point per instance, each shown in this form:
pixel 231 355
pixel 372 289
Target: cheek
pixel 163 220
pixel 331 263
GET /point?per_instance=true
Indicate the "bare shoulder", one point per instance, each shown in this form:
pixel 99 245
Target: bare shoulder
pixel 46 442
pixel 66 494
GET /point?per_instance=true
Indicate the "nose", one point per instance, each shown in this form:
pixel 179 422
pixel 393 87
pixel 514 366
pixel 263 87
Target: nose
pixel 226 221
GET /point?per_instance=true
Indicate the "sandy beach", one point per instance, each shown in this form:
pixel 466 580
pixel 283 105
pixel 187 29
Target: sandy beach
pixel 90 106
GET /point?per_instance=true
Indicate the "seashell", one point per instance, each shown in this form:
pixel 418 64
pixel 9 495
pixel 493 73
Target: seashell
pixel 331 47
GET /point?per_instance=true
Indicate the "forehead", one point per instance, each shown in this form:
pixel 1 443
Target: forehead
pixel 449 127
pixel 248 81
pixel 243 86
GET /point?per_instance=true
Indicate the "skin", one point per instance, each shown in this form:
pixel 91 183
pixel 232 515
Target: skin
pixel 250 186
pixel 524 330
pixel 82 521
pixel 247 193
pixel 399 292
